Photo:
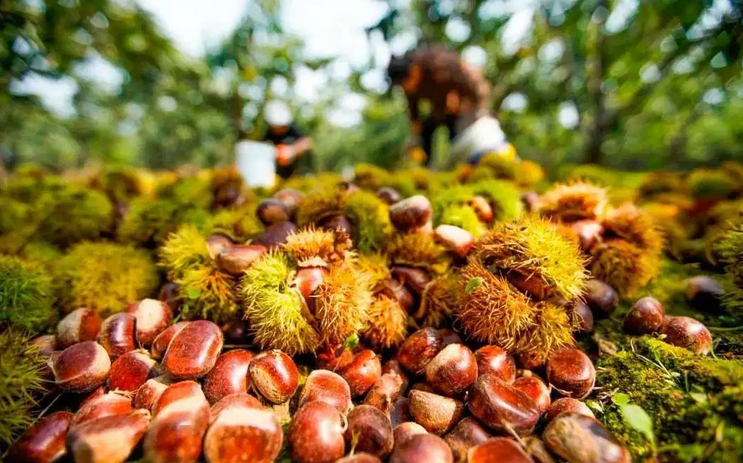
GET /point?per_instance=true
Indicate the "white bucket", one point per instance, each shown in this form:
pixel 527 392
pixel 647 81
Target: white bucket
pixel 256 162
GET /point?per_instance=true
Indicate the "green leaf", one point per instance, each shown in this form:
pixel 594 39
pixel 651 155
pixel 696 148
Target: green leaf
pixel 193 293
pixel 352 342
pixel 472 284
pixel 639 420
pixel 699 397
pixel 595 406
pixel 620 399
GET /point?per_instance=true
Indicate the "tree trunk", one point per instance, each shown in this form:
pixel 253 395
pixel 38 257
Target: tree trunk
pixel 597 131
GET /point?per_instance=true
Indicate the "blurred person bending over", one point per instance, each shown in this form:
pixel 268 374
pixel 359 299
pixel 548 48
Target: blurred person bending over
pixel 456 96
pixel 293 147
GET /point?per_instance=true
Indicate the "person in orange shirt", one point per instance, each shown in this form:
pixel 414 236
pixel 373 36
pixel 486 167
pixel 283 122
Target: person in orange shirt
pixel 293 147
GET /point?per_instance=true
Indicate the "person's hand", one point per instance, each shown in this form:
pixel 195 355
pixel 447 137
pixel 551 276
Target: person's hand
pixel 284 155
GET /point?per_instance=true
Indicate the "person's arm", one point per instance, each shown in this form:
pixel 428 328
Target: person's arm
pixel 302 146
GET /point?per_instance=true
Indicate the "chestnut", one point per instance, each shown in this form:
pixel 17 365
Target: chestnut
pixel 229 375
pixel 291 199
pixel 275 235
pixel 316 434
pixel 705 293
pixel 337 222
pixel 237 259
pixel 497 450
pixel 148 394
pixel 581 439
pixel 570 372
pixel 436 413
pixel 274 375
pixel 239 400
pixel 536 390
pixel 419 349
pixel 393 367
pixel 400 411
pixel 308 279
pixel 236 331
pixel 388 195
pixel 271 211
pixel 110 439
pixel 404 431
pixel 177 431
pixel 567 405
pixel 466 434
pixel 645 317
pixel 333 357
pixel 584 317
pixel 426 448
pixel 81 367
pixel 502 407
pixel 242 433
pixel 369 430
pixel 153 317
pixel 130 371
pixel 496 361
pixel 531 360
pixel 384 392
pixel 100 406
pixel 537 450
pixel 688 333
pixel 363 372
pixel 44 442
pixel 530 200
pixel 397 290
pixel 78 326
pixel 328 387
pixel 169 295
pixel 216 243
pixel 588 231
pixel 162 341
pixel 119 334
pixel 183 390
pixel 413 278
pixel 457 240
pixel 600 297
pixel 45 344
pixel 359 458
pixel 411 213
pixel 453 370
pixel 450 337
pixel 193 351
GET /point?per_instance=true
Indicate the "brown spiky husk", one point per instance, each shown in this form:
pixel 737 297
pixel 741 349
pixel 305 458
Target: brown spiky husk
pixel 624 266
pixel 573 201
pixel 342 302
pixel 388 323
pixel 634 225
pixel 492 312
pixel 311 243
pixel 552 329
pixel 418 250
pixel 438 301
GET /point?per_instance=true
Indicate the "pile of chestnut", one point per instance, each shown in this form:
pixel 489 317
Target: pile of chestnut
pixel 167 392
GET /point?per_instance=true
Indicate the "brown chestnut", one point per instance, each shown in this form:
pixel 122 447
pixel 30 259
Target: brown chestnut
pixel 426 448
pixel 388 195
pixel 437 413
pixel 359 458
pixel 496 361
pixel 291 199
pixel 537 450
pixel 411 213
pixel 234 400
pixel 229 375
pixel 581 439
pixel 45 344
pixel 363 372
pixel 130 371
pixel 193 351
pixel 584 317
pixel 216 243
pixel 414 279
pixel 450 337
pixel 78 326
pixel 483 209
pixel 465 435
pixel 272 210
pixel 453 370
pixel 705 293
pixel 588 231
pixel 688 333
pixel 81 367
pixel 274 375
pixel 110 439
pixel 600 297
pixel 369 430
pixel 177 432
pixel 162 341
pixel 397 290
pixel 237 259
pixel 180 391
pixel 316 434
pixel 44 442
pixel 404 431
pixel 419 349
pixel 645 317
pixel 400 412
pixel 502 407
pixel 308 279
pixel 169 295
pixel 153 317
pixel 148 394
pixel 243 434
pixel 530 200
pixel 498 450
pixel 567 405
pixel 333 357
pixel 384 392
pixel 393 367
pixel 457 240
pixel 570 372
pixel 119 334
pixel 536 390
pixel 337 222
pixel 100 406
pixel 328 387
pixel 275 235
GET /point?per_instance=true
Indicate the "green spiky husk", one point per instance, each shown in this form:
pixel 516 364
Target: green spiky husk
pixel 183 250
pixel 729 249
pixel 321 204
pixel 370 177
pixel 149 221
pixel 388 323
pixel 634 225
pixel 438 301
pixel 504 197
pixel 275 309
pixel 104 277
pixel 26 295
pixel 312 246
pixel 708 183
pixel 464 217
pixel 370 217
pixel 21 383
pixel 418 250
pixel 77 215
pixel 207 294
pixel 535 249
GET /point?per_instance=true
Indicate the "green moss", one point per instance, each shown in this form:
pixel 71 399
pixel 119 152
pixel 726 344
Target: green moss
pixel 729 250
pixel 21 384
pixel 370 217
pixel 104 276
pixel 25 295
